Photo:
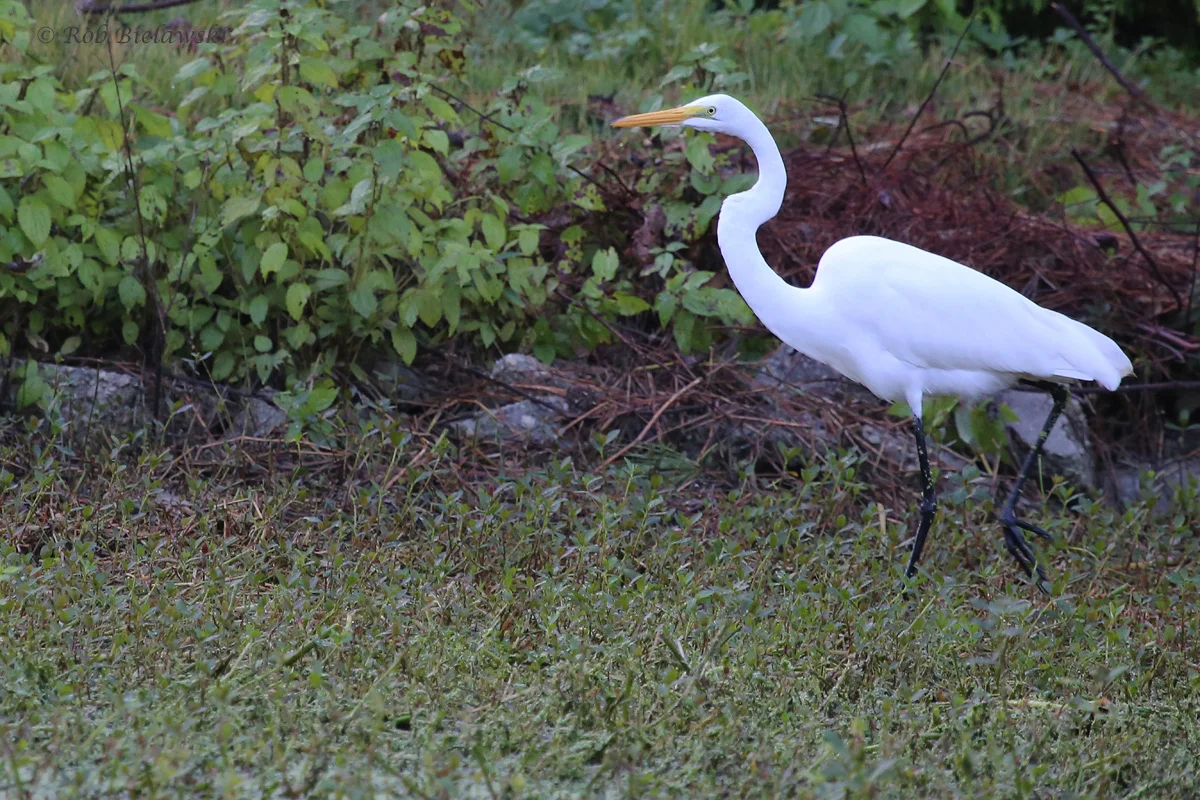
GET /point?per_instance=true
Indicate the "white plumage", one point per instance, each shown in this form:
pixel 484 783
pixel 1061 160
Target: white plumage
pixel 903 322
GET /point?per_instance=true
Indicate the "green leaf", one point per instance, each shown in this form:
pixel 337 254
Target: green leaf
pixel 628 304
pixel 441 108
pixel 358 199
pixel 363 301
pixel 508 165
pixel 108 242
pixel 314 70
pixel 321 398
pixel 262 343
pixel 129 331
pixel 314 169
pixel 192 69
pixel 429 307
pixel 258 309
pixel 389 158
pixel 211 337
pixel 297 298
pixel 698 154
pixel 426 165
pixel 493 232
pixel 528 241
pixel 237 208
pixel 567 146
pixel 404 343
pixel 685 323
pixel 815 18
pixel 34 218
pixel 604 264
pixel 273 259
pixel 437 140
pixel 222 365
pixel 6 205
pixel 33 389
pixel 665 304
pixel 131 292
pixel 60 190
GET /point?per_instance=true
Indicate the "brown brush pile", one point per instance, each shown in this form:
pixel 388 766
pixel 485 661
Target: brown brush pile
pixel 951 210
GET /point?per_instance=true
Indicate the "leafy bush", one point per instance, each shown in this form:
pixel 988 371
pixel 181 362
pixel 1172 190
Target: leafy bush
pixel 318 197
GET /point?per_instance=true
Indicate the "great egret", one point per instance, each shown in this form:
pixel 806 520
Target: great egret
pixel 903 322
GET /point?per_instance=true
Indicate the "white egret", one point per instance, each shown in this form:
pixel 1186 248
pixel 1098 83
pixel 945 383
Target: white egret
pixel 903 322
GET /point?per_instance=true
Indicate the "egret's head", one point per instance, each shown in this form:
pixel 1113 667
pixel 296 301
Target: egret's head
pixel 715 112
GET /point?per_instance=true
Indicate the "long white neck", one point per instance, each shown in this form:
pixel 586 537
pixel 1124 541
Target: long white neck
pixel 776 303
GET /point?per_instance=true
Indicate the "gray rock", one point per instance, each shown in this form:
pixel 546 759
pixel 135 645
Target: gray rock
pixel 525 421
pixel 791 371
pixel 89 400
pixel 86 398
pixel 401 382
pixel 256 417
pixel 1164 480
pixel 1067 451
pixel 518 369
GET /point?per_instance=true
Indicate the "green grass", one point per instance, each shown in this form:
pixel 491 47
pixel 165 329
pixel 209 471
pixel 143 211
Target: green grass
pixel 170 629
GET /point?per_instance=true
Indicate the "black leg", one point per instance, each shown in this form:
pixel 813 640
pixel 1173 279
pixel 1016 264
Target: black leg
pixel 928 500
pixel 1014 541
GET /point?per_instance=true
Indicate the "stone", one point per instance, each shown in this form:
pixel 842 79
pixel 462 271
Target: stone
pixel 402 383
pixel 789 370
pixel 256 417
pixel 525 421
pixel 1164 479
pixel 87 398
pixel 1067 451
pixel 518 368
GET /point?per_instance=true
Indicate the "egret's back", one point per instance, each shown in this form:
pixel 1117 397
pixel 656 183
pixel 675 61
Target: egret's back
pixel 900 314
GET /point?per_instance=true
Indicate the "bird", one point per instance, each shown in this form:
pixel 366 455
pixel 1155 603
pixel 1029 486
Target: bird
pixel 905 323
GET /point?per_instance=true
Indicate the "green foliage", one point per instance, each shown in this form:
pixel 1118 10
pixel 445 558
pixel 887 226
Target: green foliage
pixel 319 197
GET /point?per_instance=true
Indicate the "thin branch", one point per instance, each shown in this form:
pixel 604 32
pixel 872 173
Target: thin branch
pixel 1187 317
pixel 158 336
pixel 1157 386
pixel 945 68
pixel 93 9
pixel 1086 38
pixel 1133 238
pixel 478 373
pixel 670 401
pixel 844 124
pixel 489 118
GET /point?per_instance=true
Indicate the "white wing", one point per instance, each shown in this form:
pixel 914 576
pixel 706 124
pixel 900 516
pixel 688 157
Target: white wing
pixel 931 312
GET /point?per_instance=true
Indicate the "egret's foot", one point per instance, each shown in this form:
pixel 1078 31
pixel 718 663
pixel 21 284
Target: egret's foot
pixel 1029 526
pixel 1019 548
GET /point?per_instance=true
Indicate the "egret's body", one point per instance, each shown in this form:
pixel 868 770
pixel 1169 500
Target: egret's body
pixel 903 322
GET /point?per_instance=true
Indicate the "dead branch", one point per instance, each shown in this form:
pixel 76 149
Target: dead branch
pixel 1155 270
pixel 844 124
pixel 91 9
pixel 945 68
pixel 670 400
pixel 1090 43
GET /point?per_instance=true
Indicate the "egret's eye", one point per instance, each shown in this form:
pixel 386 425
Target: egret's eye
pixel 712 111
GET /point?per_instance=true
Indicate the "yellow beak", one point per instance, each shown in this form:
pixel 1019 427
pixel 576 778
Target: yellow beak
pixel 670 116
